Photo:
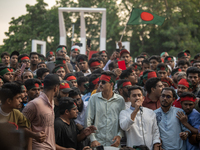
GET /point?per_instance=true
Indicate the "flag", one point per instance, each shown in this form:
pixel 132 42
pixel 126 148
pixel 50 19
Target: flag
pixel 139 16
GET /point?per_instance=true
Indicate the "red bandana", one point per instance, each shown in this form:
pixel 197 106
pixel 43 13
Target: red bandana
pixel 76 49
pixel 64 62
pixel 126 83
pixel 103 51
pixel 51 53
pixel 25 57
pixel 184 82
pixel 64 86
pixel 105 78
pixel 169 58
pixel 94 64
pixel 37 85
pixel 94 82
pixel 185 54
pixel 152 75
pixel 188 98
pixel 71 78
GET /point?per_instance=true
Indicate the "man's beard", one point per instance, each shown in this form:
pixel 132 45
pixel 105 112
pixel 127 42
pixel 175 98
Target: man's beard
pixel 80 108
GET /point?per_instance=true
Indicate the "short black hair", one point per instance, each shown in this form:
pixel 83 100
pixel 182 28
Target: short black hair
pixel 81 57
pixel 170 89
pixel 141 56
pixel 41 63
pixel 33 53
pixel 97 71
pixel 9 90
pixel 183 62
pixel 91 78
pixel 74 92
pixel 135 87
pixel 93 60
pixel 120 82
pixel 79 74
pixel 68 75
pixel 41 71
pixel 156 57
pixel 64 104
pixel 190 94
pixel 82 79
pixel 193 70
pixel 196 56
pixel 111 65
pixel 145 61
pixel 5 53
pixel 95 55
pixel 151 83
pixel 30 82
pixel 126 73
pixel 196 61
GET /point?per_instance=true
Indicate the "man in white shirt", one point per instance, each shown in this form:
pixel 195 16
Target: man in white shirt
pixel 139 123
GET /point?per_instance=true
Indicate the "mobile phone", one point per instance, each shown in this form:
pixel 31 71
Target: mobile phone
pixel 22 68
pixel 88 42
pixel 79 44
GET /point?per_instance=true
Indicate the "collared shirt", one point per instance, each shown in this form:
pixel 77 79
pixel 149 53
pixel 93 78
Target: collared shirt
pixel 145 122
pixel 194 121
pixel 34 72
pixel 81 116
pixel 170 127
pixel 150 104
pixel 104 115
pixel 40 112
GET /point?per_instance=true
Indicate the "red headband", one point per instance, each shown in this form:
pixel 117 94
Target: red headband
pixel 64 86
pixel 124 51
pixel 71 78
pixel 188 98
pixel 95 81
pixel 51 53
pixel 169 58
pixel 94 64
pixel 151 75
pixel 37 85
pixel 126 83
pixel 105 78
pixel 76 49
pixel 80 60
pixel 25 57
pixel 183 82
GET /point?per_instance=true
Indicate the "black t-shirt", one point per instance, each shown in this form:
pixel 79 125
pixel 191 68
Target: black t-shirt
pixel 56 111
pixel 66 135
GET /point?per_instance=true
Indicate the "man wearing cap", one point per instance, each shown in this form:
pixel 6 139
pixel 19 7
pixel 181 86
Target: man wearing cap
pixel 172 132
pixel 162 70
pixel 154 87
pixel 41 114
pixel 14 59
pixel 192 118
pixel 169 60
pixel 94 64
pixel 154 61
pixel 6 73
pixel 5 59
pixel 75 50
pixel 72 78
pixel 122 87
pixel 130 75
pixel 50 56
pixel 33 88
pixel 103 112
pixel 82 61
pixel 184 85
pixel 125 55
pixel 24 58
pixel 174 74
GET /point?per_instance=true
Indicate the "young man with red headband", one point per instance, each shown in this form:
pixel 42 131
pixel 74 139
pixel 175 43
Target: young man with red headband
pixel 125 55
pixel 130 75
pixel 60 71
pixel 184 85
pixel 169 60
pixel 137 68
pixel 103 112
pixel 6 73
pixel 82 61
pixel 192 118
pixel 122 87
pixel 50 56
pixel 72 78
pixel 162 70
pixel 174 74
pixel 94 63
pixel 24 58
pixel 154 87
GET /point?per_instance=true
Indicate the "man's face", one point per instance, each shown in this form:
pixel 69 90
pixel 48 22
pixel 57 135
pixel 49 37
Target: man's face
pixel 136 95
pixel 44 75
pixel 67 59
pixel 8 76
pixel 83 66
pixel 94 68
pixel 162 74
pixel 33 93
pixel 153 64
pixel 79 102
pixel 166 98
pixel 16 101
pixel 174 77
pixel 170 63
pixel 197 64
pixel 42 66
pixel 133 78
pixel 27 75
pixel 73 113
pixel 139 60
pixel 126 57
pixel 61 53
pixel 24 95
pixel 34 59
pixel 14 59
pixel 117 54
pixel 124 91
pixel 5 59
pixel 51 57
pixel 187 106
pixel 183 67
pixel 105 86
pixel 27 62
pixel 63 94
pixel 158 89
pixel 61 72
pixel 1 82
pixel 74 54
pixel 181 89
pixel 145 66
pixel 194 78
pixel 74 83
pixel 165 84
pixel 164 55
pixel 82 88
pixel 186 58
pixel 104 57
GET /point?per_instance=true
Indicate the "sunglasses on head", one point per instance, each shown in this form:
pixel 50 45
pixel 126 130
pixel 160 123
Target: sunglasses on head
pixel 167 96
pixel 102 82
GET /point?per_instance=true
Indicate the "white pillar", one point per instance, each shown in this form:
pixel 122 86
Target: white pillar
pixel 62 28
pixel 83 35
pixel 38 42
pixel 103 32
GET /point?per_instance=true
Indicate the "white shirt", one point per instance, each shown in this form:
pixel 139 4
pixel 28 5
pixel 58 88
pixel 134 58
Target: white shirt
pixel 133 129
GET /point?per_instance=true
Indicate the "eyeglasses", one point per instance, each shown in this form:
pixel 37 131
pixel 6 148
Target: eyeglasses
pixel 63 52
pixel 25 61
pixel 102 82
pixel 167 96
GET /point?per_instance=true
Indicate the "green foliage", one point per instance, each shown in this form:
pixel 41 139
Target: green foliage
pixel 180 30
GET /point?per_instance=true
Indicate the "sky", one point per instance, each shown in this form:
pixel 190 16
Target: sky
pixel 14 8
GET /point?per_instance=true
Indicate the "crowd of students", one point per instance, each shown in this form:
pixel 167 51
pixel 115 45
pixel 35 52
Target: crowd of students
pixel 61 102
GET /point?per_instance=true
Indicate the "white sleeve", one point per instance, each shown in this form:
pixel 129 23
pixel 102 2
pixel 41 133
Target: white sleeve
pixel 125 120
pixel 105 68
pixel 156 133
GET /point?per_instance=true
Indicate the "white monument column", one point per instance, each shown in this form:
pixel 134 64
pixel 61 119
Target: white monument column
pixel 62 28
pixel 103 32
pixel 83 35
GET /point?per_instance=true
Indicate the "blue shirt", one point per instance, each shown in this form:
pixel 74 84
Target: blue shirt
pixel 170 127
pixel 86 97
pixel 194 121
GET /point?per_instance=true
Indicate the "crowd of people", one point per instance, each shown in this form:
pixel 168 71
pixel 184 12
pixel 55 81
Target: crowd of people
pixel 67 102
